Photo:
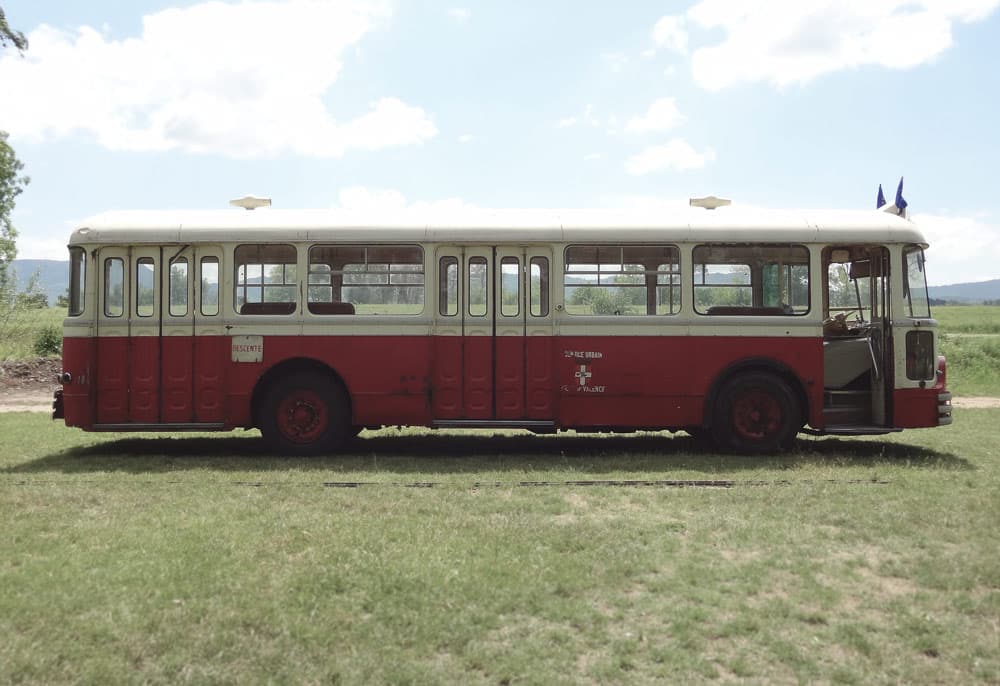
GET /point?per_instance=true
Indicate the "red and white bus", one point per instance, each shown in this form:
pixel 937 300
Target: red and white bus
pixel 746 327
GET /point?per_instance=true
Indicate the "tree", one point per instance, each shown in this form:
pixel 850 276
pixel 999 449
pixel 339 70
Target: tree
pixel 12 182
pixel 8 35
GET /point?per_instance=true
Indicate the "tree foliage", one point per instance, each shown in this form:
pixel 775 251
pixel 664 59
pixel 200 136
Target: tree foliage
pixel 12 182
pixel 9 36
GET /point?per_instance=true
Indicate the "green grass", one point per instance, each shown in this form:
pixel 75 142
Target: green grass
pixel 200 559
pixel 979 319
pixel 970 339
pixel 21 329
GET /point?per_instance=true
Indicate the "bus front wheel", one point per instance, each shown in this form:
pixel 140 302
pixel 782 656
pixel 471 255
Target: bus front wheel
pixel 755 413
pixel 305 414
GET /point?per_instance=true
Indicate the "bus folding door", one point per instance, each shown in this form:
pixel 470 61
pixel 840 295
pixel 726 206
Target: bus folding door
pixel 492 342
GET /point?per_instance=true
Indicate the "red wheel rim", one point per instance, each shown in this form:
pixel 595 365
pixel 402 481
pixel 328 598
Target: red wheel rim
pixel 303 416
pixel 757 415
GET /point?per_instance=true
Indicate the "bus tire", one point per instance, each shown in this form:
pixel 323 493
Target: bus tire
pixel 755 413
pixel 305 414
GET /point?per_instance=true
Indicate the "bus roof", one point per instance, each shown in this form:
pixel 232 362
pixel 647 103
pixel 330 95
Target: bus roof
pixel 492 226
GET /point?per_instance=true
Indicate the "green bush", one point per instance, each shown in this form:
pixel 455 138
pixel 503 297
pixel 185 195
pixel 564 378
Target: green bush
pixel 48 341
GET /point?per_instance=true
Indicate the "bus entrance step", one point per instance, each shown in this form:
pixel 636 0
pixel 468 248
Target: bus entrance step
pixel 846 415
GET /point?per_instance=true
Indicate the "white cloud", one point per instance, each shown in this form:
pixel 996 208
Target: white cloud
pixel 670 33
pixel 363 198
pixel 586 118
pixel 662 115
pixel 242 80
pixel 460 14
pixel 466 138
pixel 614 61
pixel 962 248
pixel 29 248
pixel 677 155
pixel 787 42
pixel 389 199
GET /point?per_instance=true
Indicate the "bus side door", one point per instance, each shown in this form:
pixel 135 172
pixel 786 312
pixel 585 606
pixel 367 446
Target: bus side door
pixel 523 331
pixel 194 340
pixel 492 335
pixel 144 335
pixel 463 335
pixel 111 375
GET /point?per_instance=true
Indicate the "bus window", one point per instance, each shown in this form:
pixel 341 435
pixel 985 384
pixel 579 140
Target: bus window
pixel 478 286
pixel 209 286
pixel 114 287
pixel 144 283
pixel 266 280
pixel 538 286
pixel 622 280
pixel 759 279
pixel 915 285
pixel 510 286
pixel 448 286
pixel 179 287
pixel 77 281
pixel 366 279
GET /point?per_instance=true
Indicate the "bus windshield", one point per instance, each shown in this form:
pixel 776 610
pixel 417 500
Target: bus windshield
pixel 915 286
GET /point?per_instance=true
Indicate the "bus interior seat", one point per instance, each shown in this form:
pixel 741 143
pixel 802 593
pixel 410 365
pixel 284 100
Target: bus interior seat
pixel 267 308
pixel 332 308
pixel 729 310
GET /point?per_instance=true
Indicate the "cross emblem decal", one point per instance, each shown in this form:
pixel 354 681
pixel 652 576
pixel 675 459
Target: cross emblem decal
pixel 583 375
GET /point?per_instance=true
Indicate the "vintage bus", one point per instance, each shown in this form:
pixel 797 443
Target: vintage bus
pixel 743 327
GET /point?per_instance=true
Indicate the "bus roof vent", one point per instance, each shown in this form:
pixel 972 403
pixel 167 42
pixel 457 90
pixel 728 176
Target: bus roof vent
pixel 709 202
pixel 249 202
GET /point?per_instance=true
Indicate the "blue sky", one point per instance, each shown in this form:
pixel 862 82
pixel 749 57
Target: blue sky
pixel 130 105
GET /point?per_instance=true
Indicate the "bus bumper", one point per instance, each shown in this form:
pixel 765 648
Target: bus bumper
pixel 944 408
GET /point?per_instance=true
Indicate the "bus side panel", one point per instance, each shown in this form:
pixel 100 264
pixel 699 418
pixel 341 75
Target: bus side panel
pixel 177 383
pixel 211 358
pixel 510 377
pixel 541 383
pixel 386 376
pixel 653 381
pixel 112 379
pixel 914 408
pixel 447 377
pixel 144 379
pixel 78 361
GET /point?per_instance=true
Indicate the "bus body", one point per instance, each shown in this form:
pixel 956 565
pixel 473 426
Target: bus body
pixel 312 325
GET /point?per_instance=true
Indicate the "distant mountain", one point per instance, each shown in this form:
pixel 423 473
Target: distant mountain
pixel 53 276
pixel 967 292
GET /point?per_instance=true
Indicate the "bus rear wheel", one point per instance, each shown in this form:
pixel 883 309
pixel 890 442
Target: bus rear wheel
pixel 755 413
pixel 305 414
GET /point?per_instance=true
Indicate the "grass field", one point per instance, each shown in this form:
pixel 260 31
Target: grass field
pixel 198 559
pixel 20 331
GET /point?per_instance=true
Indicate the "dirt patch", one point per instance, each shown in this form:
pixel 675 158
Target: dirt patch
pixel 976 402
pixel 27 385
